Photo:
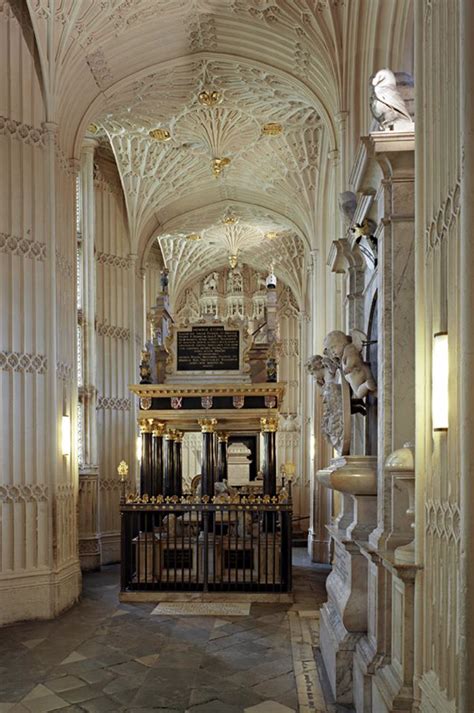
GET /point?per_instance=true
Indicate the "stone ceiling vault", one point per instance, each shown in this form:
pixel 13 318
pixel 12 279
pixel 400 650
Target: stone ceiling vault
pixel 131 66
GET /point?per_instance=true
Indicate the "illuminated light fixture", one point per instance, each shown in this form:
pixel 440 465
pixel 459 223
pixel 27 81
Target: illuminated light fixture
pixel 233 261
pixel 66 435
pixel 271 235
pixel 138 448
pixel 272 129
pixel 218 165
pixel 160 134
pixel 209 98
pixel 440 381
pixel 193 236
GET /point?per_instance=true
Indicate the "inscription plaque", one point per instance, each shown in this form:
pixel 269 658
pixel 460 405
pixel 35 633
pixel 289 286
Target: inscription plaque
pixel 208 349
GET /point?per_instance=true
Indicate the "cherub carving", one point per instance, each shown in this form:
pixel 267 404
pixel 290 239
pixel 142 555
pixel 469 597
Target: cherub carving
pixel 346 351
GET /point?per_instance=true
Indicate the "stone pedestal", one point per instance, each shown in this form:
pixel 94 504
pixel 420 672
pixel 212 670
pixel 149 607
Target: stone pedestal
pixel 344 616
pixel 89 539
pixel 392 683
pixel 238 464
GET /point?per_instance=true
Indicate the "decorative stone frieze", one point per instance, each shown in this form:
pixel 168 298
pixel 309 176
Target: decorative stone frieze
pixel 448 214
pixel 21 362
pixel 115 403
pixel 109 484
pixel 37 492
pixel 23 132
pixel 109 330
pixel 64 371
pixel 112 260
pixel 24 247
pixel 99 68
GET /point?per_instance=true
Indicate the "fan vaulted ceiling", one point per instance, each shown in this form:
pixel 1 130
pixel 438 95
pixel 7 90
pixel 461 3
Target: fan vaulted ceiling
pixel 131 66
pixel 273 177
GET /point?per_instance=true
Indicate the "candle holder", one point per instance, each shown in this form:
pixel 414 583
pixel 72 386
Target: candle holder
pixel 122 470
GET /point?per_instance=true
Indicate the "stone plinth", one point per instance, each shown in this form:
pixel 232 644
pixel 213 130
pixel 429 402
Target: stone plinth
pixel 344 616
pixel 238 464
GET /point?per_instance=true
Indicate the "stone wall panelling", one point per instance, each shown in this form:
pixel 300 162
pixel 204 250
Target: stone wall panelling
pixel 39 573
pixel 114 330
pixel 440 682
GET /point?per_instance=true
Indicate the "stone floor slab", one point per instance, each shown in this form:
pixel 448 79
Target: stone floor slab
pixel 269 707
pixel 202 609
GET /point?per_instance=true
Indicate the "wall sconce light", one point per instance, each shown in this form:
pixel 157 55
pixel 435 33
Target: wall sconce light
pixel 440 381
pixel 66 435
pixel 139 448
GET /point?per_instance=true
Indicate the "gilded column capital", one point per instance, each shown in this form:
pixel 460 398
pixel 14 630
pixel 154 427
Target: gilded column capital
pixel 158 428
pixel 178 437
pixel 146 425
pixel 170 434
pixel 269 424
pixel 207 424
pixel 222 437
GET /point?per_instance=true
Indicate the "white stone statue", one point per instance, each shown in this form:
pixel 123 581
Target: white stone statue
pixel 235 281
pixel 386 104
pixel 346 352
pixel 325 371
pixel 211 282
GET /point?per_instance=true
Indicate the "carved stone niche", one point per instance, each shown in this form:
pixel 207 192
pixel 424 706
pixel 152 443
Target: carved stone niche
pixel 401 465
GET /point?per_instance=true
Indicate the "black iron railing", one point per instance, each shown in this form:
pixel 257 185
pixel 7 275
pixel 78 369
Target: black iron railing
pixel 206 547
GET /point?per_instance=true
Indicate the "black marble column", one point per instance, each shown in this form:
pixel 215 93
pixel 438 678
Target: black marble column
pixel 178 464
pixel 222 439
pixel 157 458
pixel 269 427
pixel 207 458
pixel 146 425
pixel 168 464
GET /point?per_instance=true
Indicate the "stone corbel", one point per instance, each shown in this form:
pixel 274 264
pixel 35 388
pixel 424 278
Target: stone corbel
pixel 343 257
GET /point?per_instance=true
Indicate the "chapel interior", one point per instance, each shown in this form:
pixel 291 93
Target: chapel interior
pixel 236 355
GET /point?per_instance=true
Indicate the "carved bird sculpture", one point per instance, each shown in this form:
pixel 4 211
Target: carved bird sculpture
pixel 386 103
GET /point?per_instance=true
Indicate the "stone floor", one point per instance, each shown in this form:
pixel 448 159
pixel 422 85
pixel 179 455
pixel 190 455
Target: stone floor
pixel 106 656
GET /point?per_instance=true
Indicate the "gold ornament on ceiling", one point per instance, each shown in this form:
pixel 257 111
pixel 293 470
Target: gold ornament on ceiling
pixel 193 236
pixel 230 219
pixel 160 134
pixel 233 259
pixel 92 129
pixel 209 98
pixel 272 129
pixel 271 235
pixel 218 165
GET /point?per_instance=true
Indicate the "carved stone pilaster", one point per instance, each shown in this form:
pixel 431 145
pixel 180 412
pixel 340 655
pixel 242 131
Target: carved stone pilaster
pixel 89 539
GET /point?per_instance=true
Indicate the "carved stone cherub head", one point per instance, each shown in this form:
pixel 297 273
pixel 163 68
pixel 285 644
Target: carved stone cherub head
pixel 334 344
pixel 315 367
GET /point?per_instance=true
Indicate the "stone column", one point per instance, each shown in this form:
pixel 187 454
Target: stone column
pixel 222 440
pixel 168 464
pixel 178 463
pixel 207 460
pixel 269 428
pixel 157 458
pixel 146 463
pixel 89 535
